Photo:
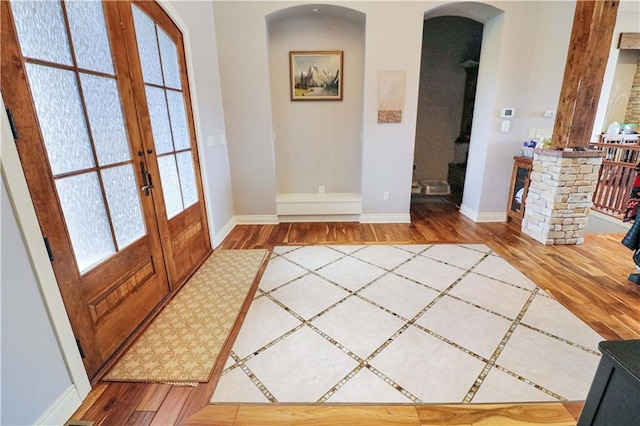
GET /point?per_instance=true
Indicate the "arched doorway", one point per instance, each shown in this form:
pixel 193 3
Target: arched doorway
pixel 451 55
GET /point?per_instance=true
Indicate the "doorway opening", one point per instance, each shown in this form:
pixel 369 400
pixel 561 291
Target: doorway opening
pixel 448 76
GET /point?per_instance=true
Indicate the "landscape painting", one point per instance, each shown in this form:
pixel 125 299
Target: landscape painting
pixel 316 76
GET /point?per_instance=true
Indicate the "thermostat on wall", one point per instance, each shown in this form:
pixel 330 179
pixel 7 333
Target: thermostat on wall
pixel 507 112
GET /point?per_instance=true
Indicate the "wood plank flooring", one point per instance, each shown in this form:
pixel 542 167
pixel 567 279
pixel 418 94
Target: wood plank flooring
pixel 590 280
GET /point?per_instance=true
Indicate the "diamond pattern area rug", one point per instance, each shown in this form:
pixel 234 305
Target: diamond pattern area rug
pixel 436 323
pixel 182 343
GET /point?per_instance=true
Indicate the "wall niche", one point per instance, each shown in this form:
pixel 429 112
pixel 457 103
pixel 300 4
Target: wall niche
pixel 317 144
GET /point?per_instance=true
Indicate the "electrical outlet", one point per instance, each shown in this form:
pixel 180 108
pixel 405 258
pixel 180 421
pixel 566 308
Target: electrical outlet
pixel 211 141
pixel 505 126
pixel 321 190
pixel 550 113
pixel 385 195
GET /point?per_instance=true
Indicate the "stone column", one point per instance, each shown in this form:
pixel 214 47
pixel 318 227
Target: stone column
pixel 561 187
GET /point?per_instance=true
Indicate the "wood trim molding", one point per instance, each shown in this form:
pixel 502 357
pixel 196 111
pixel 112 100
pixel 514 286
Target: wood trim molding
pixel 629 41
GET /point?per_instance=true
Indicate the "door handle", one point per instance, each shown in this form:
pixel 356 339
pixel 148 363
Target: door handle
pixel 146 178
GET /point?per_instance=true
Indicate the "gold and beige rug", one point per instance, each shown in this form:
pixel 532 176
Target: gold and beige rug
pixel 182 344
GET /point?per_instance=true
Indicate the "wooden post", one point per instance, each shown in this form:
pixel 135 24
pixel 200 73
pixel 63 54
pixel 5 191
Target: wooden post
pixel 593 24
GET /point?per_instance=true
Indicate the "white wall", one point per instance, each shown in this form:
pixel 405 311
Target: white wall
pixel 621 86
pixel 195 19
pixel 522 68
pixel 326 132
pixel 33 371
pixel 628 22
pixel 244 75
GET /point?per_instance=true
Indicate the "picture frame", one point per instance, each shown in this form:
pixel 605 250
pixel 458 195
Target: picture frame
pixel 316 75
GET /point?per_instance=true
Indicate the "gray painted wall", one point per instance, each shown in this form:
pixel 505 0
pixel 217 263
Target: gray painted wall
pixel 526 51
pixel 33 371
pixel 195 18
pixel 326 132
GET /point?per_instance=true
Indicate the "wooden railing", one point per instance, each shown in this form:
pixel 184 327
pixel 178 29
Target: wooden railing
pixel 615 178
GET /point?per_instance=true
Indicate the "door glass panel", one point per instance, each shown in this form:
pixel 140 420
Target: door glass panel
pixel 187 178
pixel 147 47
pixel 105 118
pixel 60 114
pixel 168 115
pixel 170 185
pixel 169 55
pixel 159 119
pixel 178 120
pixel 124 204
pixel 41 30
pixel 86 218
pixel 89 35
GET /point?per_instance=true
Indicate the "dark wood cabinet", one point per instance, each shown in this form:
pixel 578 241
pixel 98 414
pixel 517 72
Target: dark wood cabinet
pixel 518 188
pixel 614 396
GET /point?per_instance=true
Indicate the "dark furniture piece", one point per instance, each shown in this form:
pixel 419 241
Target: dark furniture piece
pixel 614 397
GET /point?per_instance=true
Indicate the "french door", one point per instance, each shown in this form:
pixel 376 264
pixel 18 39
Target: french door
pixel 100 101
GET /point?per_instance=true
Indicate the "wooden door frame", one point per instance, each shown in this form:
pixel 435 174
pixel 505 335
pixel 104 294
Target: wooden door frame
pixel 15 181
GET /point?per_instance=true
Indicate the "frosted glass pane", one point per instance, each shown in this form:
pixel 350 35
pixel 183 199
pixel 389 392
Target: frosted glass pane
pixel 89 35
pixel 41 30
pixel 187 178
pixel 169 55
pixel 105 118
pixel 178 120
pixel 61 118
pixel 86 218
pixel 170 185
pixel 159 119
pixel 124 204
pixel 147 47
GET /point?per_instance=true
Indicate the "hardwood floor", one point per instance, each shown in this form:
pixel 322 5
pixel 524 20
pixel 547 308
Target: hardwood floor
pixel 589 279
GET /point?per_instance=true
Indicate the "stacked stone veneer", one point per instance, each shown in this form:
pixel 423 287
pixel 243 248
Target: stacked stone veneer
pixel 559 198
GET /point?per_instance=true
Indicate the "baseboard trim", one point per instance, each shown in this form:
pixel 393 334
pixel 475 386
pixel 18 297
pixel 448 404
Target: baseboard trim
pixel 330 204
pixel 483 217
pixel 319 218
pixel 62 409
pixel 223 232
pixel 264 219
pixel 385 218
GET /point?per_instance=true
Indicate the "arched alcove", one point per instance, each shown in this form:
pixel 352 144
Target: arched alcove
pixel 317 144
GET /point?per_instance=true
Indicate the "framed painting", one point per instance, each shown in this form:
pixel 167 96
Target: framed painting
pixel 316 75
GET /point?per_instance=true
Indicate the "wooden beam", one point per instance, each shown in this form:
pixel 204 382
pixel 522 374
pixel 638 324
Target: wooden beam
pixel 593 24
pixel 629 41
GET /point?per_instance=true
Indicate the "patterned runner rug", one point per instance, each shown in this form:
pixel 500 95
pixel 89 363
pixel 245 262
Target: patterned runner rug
pixel 183 342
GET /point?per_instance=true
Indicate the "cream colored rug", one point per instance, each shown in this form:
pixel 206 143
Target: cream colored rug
pixel 182 344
